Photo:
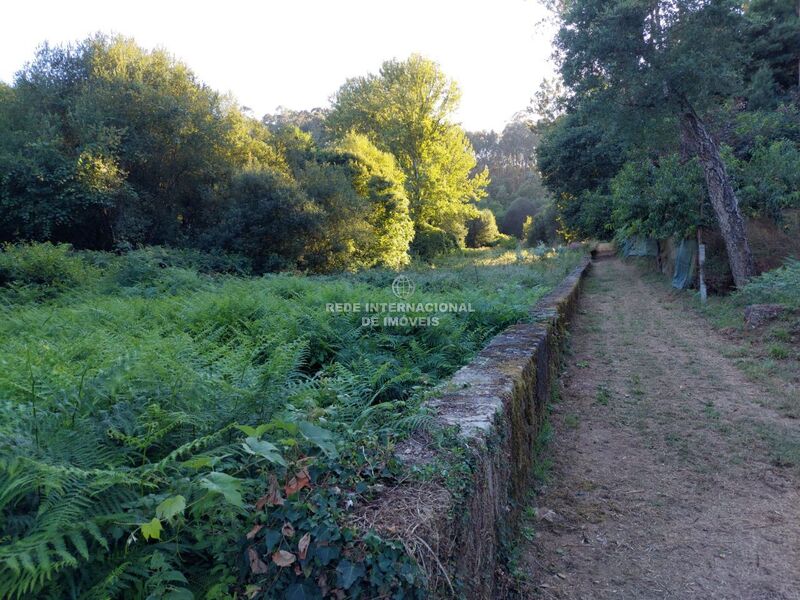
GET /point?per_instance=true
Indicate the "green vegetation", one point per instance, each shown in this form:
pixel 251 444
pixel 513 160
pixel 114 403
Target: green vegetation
pixel 168 430
pixel 673 116
pixel 406 109
pixel 515 192
pixel 107 146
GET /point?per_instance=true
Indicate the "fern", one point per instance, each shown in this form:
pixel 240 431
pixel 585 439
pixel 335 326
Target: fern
pixel 114 398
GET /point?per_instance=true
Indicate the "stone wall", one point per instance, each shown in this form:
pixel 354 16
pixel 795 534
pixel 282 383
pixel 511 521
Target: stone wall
pixel 498 402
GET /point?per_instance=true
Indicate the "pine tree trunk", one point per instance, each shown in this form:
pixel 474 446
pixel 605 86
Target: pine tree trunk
pixel 722 196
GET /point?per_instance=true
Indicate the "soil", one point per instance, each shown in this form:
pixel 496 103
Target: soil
pixel 667 476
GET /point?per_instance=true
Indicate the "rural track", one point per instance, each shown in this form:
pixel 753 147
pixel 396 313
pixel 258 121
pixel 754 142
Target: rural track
pixel 664 481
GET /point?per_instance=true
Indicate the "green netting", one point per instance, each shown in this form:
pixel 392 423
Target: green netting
pixel 685 264
pixel 639 246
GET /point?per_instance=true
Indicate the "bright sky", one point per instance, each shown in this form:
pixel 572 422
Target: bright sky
pixel 296 53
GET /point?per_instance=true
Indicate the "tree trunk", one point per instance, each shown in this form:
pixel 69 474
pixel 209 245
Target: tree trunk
pixel 722 196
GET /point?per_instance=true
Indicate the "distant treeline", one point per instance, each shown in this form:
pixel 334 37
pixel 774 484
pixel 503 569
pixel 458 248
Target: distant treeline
pixel 108 146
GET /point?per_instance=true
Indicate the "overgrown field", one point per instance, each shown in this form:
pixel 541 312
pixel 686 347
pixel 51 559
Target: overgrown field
pixel 167 431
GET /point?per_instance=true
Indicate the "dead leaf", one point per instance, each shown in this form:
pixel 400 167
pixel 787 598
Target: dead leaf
pixel 300 480
pixel 322 582
pixel 254 531
pixel 287 530
pixel 272 497
pixel 257 566
pixel 282 558
pixel 302 546
pixel 546 514
pixel 297 570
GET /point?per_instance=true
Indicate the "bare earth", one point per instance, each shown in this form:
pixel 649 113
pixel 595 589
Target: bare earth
pixel 665 481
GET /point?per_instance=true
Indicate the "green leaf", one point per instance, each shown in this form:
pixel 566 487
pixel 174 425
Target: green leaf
pixel 263 449
pixel 322 438
pixel 198 462
pixel 222 483
pixel 255 432
pixel 326 554
pixel 179 594
pixel 174 505
pixel 302 591
pixel 347 573
pixel 271 539
pixel 151 530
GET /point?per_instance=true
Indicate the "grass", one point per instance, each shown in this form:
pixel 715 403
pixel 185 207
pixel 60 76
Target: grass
pixel 767 355
pixel 148 403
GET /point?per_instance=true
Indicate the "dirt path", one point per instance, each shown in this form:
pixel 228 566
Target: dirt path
pixel 664 481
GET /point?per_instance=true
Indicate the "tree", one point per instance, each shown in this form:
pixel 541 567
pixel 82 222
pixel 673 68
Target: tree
pixel 268 219
pixel 510 161
pixel 516 215
pixel 113 144
pixel 378 179
pixel 644 63
pixel 578 157
pixel 405 110
pixel 772 35
pixel 482 230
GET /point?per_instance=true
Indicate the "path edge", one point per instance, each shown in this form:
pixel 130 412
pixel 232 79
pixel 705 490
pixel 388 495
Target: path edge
pixel 497 404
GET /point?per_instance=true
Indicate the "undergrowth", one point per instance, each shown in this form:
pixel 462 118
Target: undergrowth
pixel 171 430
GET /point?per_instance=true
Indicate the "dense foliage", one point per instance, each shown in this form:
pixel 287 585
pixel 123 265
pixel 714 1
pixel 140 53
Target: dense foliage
pixel 108 146
pixel 170 433
pixel 406 109
pixel 515 191
pixel 620 149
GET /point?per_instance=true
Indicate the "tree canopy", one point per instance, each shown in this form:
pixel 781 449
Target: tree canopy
pixel 406 109
pixel 646 84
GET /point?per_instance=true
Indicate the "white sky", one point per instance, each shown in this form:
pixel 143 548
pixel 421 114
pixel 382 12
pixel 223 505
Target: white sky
pixel 296 53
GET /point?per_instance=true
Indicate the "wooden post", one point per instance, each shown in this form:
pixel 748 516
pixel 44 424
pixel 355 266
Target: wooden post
pixel 701 264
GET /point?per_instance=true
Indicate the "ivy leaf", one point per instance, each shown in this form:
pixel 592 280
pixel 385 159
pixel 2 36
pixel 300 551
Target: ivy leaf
pixel 222 483
pixel 151 530
pixel 302 591
pixel 326 554
pixel 347 573
pixel 263 449
pixel 320 437
pixel 272 538
pixel 174 505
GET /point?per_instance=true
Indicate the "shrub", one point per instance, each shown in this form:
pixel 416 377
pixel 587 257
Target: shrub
pixel 268 219
pixel 482 230
pixel 779 286
pixel 46 265
pixel 430 242
pixel 543 228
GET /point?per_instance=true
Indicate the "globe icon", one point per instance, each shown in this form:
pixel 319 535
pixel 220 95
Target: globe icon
pixel 402 287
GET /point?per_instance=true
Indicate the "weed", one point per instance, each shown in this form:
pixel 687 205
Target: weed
pixel 603 395
pixel 778 351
